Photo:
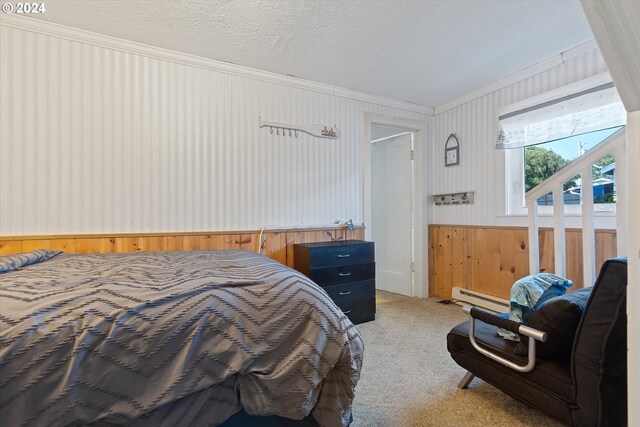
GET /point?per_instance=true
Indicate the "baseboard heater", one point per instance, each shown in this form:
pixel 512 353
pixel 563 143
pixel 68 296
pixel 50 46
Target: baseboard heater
pixel 479 299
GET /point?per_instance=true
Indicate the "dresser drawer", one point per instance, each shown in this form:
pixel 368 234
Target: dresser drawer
pixel 358 311
pixel 352 291
pixel 347 273
pixel 332 254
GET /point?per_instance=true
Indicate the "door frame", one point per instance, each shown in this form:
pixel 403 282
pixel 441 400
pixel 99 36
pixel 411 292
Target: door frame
pixel 420 198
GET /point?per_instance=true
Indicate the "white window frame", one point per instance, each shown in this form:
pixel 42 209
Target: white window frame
pixel 514 159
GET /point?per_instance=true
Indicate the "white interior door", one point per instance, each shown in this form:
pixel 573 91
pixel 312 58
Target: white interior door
pixel 391 209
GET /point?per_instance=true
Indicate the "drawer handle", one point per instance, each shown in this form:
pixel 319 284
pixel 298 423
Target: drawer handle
pixel 344 274
pixel 345 293
pixel 348 311
pixel 344 255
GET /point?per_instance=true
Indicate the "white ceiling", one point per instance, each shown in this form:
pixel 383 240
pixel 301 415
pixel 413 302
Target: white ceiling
pixel 425 52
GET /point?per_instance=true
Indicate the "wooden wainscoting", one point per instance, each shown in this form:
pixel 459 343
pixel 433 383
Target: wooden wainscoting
pixel 276 244
pixel 490 259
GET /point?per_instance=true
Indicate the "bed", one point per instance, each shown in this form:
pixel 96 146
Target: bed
pixel 186 338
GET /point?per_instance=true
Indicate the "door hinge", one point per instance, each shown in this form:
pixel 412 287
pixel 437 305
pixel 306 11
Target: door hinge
pixel 413 267
pixel 412 155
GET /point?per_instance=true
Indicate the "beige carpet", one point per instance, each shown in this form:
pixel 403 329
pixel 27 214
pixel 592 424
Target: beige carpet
pixel 409 379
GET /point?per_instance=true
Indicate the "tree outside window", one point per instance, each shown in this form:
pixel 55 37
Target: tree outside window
pixel 543 160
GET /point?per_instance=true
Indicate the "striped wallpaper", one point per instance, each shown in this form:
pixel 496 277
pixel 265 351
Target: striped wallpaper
pixel 110 141
pixel 482 167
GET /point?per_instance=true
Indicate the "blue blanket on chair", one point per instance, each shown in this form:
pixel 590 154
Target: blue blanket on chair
pixel 529 293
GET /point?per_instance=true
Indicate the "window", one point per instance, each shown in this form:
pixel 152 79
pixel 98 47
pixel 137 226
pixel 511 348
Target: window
pixel 543 160
pixel 547 132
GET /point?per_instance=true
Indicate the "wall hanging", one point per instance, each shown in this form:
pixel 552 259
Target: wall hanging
pixel 464 198
pixel 452 151
pixel 320 131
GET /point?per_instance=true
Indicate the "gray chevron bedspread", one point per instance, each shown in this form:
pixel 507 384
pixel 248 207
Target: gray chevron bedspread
pixel 171 339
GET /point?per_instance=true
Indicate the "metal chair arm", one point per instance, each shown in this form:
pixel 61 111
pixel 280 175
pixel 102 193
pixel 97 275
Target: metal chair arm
pixel 533 335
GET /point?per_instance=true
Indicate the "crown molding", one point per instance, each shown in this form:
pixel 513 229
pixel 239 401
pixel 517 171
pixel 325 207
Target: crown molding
pixel 99 40
pixel 525 73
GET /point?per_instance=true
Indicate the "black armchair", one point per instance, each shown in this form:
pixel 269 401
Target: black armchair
pixel 587 385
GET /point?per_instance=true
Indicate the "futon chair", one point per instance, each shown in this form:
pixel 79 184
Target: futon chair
pixel 571 361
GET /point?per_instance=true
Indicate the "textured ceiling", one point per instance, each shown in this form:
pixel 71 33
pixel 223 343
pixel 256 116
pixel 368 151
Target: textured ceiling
pixel 426 52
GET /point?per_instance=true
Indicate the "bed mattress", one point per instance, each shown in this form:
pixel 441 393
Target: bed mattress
pixel 183 338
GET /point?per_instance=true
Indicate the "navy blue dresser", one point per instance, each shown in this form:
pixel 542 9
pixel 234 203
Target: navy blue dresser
pixel 346 270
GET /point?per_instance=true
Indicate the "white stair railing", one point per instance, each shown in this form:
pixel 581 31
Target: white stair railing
pixel 583 166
